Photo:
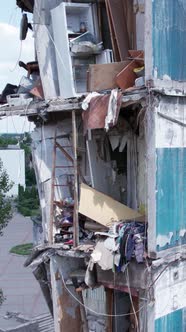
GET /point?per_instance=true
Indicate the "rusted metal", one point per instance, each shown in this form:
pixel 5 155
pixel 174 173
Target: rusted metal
pixel 64 152
pixel 67 317
pixel 109 308
pixel 76 219
pixel 83 315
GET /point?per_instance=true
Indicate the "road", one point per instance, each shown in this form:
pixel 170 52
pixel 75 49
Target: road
pixel 19 286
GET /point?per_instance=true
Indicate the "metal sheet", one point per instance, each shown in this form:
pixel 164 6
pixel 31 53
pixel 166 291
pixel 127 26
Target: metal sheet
pixel 169 39
pixel 166 165
pixel 165 45
pixel 171 322
pixel 170 149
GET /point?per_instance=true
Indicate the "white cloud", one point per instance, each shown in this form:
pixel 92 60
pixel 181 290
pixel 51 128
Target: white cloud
pixel 15 124
pixel 13 50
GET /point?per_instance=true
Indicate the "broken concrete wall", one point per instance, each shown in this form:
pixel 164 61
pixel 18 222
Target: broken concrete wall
pixel 169 300
pixel 166 168
pixel 66 307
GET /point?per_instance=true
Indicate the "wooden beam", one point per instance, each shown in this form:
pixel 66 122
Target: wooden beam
pixel 76 219
pixel 51 225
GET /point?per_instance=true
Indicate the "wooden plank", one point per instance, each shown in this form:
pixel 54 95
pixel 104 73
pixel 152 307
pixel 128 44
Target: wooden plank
pixel 102 208
pixel 109 307
pixel 126 78
pixel 136 53
pixel 119 21
pixel 51 225
pixel 75 215
pixel 112 35
pixel 103 76
pixel 131 23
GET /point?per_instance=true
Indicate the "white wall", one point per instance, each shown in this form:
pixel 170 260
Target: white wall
pixel 14 164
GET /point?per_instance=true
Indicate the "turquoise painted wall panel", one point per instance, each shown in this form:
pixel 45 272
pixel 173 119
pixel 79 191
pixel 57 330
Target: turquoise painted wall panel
pixel 169 38
pixel 170 197
pixel 173 322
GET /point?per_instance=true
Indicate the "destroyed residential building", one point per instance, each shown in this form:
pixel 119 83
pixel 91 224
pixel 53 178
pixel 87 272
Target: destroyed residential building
pixel 106 92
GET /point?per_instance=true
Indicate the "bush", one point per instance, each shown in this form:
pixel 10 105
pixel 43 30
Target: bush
pixel 28 201
pixel 22 249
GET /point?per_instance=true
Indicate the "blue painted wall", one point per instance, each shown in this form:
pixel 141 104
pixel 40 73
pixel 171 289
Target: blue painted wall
pixel 173 322
pixel 169 38
pixel 171 194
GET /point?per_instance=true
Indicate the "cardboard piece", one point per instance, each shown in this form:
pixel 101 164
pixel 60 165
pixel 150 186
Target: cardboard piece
pixel 103 76
pixel 102 208
pixel 126 78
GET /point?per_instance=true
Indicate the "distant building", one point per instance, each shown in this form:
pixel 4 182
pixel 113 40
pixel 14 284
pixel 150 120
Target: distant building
pixel 13 159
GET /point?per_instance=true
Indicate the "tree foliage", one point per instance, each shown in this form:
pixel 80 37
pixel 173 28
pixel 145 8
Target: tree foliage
pixel 28 201
pixel 5 204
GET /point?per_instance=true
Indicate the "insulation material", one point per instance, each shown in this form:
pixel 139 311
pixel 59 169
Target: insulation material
pixel 103 208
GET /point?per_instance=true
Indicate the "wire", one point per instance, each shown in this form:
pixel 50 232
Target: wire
pixel 131 300
pixel 160 274
pixel 19 56
pixel 12 15
pixel 93 311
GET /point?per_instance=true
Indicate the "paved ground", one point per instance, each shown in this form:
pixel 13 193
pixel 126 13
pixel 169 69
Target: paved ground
pixel 18 283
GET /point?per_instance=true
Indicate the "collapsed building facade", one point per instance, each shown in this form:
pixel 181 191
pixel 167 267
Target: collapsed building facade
pixel 109 157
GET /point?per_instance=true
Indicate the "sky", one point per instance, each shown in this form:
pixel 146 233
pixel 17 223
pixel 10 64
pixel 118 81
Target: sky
pixel 13 50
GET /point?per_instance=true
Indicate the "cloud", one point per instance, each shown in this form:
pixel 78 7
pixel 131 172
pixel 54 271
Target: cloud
pixel 13 50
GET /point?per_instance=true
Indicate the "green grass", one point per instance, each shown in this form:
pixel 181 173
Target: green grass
pixel 22 249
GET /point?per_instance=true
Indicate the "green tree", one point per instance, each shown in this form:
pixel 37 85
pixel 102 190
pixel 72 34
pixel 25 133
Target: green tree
pixel 5 203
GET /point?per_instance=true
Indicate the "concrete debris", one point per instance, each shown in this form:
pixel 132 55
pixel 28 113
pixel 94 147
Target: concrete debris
pixel 109 157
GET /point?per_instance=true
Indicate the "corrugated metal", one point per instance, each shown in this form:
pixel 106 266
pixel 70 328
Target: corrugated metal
pixel 45 323
pixel 169 39
pixel 171 322
pixel 171 196
pixel 95 299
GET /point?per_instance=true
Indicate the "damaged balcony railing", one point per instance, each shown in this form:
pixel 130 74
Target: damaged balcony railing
pixel 74 166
